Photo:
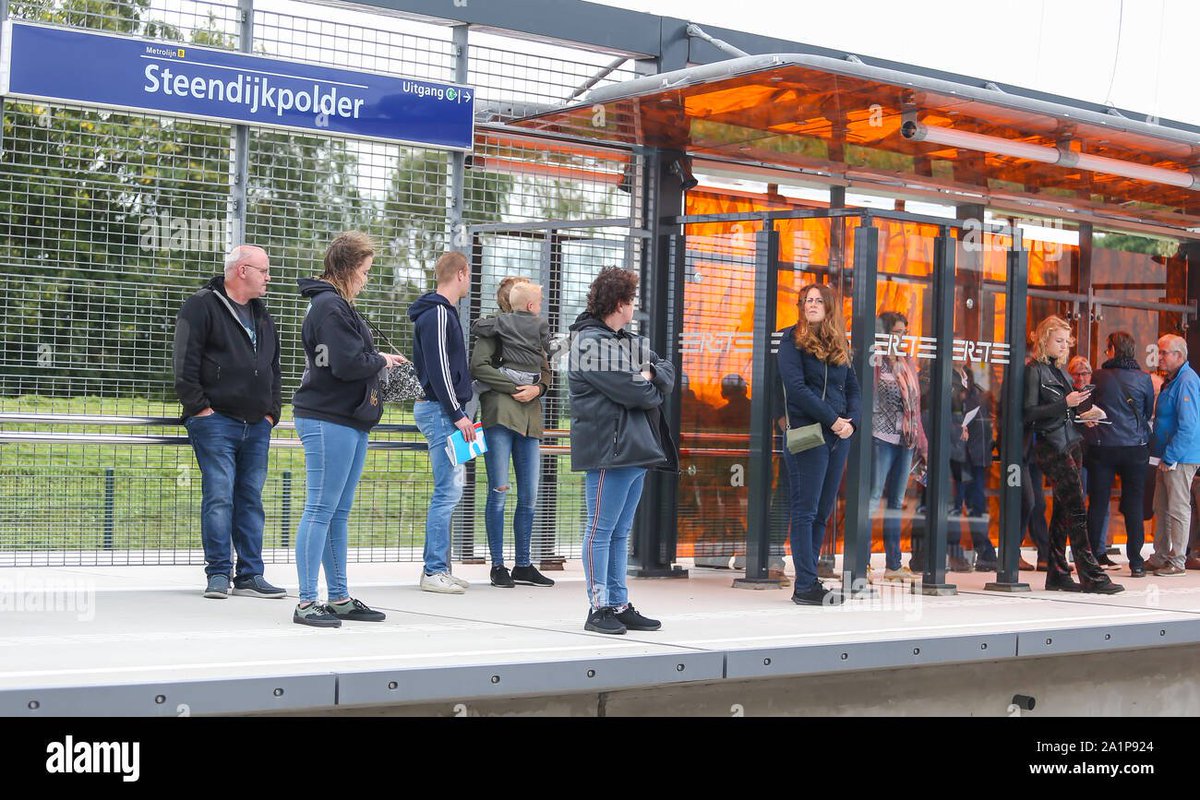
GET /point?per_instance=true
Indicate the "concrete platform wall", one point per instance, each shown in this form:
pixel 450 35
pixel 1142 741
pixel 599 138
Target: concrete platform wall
pixel 1163 681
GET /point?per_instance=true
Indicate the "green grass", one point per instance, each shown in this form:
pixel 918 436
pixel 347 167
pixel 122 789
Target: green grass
pixel 57 496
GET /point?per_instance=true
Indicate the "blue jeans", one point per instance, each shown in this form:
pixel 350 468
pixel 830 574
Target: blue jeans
pixel 525 452
pixel 232 457
pixel 612 499
pixel 973 493
pixel 333 459
pixel 1107 463
pixel 892 463
pixel 448 481
pixel 813 480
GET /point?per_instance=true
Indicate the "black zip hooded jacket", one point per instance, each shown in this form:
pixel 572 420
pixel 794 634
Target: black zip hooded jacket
pixel 217 366
pixel 341 365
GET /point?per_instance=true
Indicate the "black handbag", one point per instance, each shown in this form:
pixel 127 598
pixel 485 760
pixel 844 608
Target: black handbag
pixel 399 384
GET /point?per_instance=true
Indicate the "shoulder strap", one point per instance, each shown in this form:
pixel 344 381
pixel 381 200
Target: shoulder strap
pixel 786 411
pixel 374 329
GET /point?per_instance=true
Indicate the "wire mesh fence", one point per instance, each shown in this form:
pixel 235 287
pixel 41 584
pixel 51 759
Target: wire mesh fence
pixel 109 220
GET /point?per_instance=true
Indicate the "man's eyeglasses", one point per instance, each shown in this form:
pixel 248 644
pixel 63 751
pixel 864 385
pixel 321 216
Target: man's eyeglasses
pixel 264 270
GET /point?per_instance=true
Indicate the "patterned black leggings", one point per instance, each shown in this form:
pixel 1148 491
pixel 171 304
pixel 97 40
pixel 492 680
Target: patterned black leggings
pixel 1069 518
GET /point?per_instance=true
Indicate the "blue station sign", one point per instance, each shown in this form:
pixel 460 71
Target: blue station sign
pixel 41 62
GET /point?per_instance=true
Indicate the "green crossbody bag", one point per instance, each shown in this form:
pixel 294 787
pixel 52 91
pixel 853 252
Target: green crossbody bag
pixel 806 437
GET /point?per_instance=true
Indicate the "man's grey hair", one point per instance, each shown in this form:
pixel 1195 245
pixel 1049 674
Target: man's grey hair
pixel 234 257
pixel 1176 344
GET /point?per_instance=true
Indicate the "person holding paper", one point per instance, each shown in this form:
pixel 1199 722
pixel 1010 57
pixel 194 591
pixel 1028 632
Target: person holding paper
pixel 1121 447
pixel 1051 411
pixel 617 386
pixel 1176 446
pixel 511 410
pixel 970 458
pixel 440 356
pixel 335 407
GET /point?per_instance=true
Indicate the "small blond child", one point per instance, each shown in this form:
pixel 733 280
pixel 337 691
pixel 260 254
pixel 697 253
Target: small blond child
pixel 522 335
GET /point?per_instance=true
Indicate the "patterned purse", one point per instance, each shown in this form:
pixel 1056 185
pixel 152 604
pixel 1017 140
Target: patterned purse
pixel 398 384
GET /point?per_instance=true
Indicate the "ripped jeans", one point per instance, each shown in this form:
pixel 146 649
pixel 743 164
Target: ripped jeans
pixel 525 453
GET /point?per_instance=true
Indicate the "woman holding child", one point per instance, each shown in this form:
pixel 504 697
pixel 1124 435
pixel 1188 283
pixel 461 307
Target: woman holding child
pixel 512 385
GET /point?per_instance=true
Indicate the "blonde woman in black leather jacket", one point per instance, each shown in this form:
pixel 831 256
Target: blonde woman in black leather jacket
pixel 1051 412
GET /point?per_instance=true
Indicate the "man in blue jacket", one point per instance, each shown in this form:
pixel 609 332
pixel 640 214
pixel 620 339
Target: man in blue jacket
pixel 440 357
pixel 1177 445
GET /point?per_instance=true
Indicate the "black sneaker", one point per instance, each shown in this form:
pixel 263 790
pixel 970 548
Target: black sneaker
pixel 603 620
pixel 634 621
pixel 501 578
pixel 316 615
pixel 816 596
pixel 987 566
pixel 257 586
pixel 529 576
pixel 356 611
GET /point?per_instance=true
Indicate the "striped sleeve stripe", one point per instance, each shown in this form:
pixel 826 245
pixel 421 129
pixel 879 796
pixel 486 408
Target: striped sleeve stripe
pixel 444 357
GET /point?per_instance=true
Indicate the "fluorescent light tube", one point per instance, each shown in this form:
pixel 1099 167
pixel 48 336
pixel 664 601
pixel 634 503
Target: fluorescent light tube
pixel 1048 155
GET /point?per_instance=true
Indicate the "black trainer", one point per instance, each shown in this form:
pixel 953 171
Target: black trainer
pixel 316 615
pixel 529 576
pixel 501 578
pixel 603 620
pixel 818 595
pixel 356 611
pixel 634 621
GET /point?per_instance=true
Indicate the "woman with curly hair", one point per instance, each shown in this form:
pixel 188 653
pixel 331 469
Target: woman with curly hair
pixel 617 387
pixel 1051 414
pixel 819 387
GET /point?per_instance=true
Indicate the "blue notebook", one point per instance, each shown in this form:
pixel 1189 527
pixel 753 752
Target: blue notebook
pixel 460 450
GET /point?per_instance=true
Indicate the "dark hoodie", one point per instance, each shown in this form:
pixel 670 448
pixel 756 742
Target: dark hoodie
pixel 616 419
pixel 341 365
pixel 216 364
pixel 440 353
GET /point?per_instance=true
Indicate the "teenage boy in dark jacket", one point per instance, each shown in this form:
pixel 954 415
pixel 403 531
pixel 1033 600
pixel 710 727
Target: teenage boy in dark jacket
pixel 440 357
pixel 228 379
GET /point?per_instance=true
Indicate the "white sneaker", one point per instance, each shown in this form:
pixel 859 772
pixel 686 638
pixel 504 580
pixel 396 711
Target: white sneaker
pixel 441 583
pixel 458 581
pixel 902 575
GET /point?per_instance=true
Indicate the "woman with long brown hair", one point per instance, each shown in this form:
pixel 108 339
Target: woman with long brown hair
pixel 820 388
pixel 1051 414
pixel 335 407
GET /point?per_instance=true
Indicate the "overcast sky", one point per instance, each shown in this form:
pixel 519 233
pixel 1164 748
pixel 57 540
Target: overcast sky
pixel 1067 47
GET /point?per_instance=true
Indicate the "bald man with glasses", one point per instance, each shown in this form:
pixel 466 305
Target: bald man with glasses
pixel 227 377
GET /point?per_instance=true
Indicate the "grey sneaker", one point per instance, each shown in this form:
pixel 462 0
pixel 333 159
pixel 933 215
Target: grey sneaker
pixel 218 587
pixel 316 615
pixel 458 581
pixel 1170 571
pixel 257 586
pixel 356 611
